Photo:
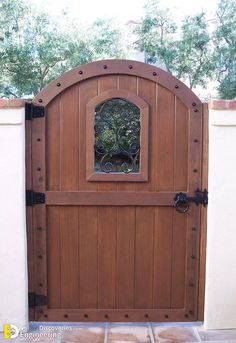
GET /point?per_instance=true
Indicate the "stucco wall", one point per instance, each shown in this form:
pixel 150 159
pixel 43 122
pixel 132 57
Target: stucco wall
pixel 220 301
pixel 13 261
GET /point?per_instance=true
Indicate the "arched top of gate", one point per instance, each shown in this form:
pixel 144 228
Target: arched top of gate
pixel 118 67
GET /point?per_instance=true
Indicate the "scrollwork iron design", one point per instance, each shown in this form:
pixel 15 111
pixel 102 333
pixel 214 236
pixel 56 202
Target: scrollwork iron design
pixel 117 137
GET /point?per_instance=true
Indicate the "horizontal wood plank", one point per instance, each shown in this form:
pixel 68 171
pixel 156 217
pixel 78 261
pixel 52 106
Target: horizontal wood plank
pixel 111 198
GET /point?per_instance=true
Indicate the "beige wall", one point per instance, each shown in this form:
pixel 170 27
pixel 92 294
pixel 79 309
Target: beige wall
pixel 220 302
pixel 13 260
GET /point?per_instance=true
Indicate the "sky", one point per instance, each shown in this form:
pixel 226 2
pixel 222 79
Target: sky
pixel 87 11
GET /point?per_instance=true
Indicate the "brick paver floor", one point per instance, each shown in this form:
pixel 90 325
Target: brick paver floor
pixel 122 332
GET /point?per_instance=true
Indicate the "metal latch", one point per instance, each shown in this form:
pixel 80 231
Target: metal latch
pixel 181 200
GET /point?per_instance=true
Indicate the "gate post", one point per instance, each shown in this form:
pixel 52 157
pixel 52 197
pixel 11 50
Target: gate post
pixel 220 300
pixel 13 252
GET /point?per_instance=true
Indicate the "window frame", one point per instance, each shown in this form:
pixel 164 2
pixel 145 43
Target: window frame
pixel 91 174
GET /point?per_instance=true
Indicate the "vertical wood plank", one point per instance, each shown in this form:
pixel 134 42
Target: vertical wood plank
pixel 107 225
pixel 147 91
pixel 179 245
pixel 88 258
pixel 202 267
pixel 29 211
pixel 181 146
pixel 125 257
pixel 128 83
pixel 105 83
pixel 144 257
pixel 163 258
pixel 69 153
pixel 165 134
pixel 87 90
pixel 54 251
pixel 69 242
pixel 53 145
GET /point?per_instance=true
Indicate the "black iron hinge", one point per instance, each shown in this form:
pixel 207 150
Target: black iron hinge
pixel 34 198
pixel 37 299
pixel 32 111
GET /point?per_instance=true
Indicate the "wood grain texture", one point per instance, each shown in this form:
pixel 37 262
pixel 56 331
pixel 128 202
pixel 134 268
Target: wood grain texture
pixel 113 250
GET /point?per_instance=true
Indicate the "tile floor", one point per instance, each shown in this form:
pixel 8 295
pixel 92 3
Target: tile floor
pixel 123 332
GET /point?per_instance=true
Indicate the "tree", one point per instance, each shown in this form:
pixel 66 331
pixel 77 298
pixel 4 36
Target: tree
pixel 157 35
pixel 194 62
pixel 225 48
pixel 35 48
pixel 185 51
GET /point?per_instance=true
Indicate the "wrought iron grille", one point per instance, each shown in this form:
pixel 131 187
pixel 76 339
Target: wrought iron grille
pixel 117 137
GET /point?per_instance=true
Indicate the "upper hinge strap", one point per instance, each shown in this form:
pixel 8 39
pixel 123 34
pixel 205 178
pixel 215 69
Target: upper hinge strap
pixel 32 111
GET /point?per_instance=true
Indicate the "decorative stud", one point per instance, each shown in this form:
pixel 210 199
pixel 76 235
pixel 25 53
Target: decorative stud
pixel 166 316
pixel 186 315
pixel 38 139
pixel 106 316
pixel 154 73
pixel 65 315
pixel 58 84
pixel 80 72
pixel 38 169
pixel 176 86
pixel 105 66
pixel 196 140
pixel 126 316
pixel 39 228
pixel 85 315
pixel 40 100
pixel 40 257
pixel 40 284
pixel 194 104
pixel 195 170
pixel 193 257
pixel 130 66
pixel 45 315
pixel 191 312
pixel 195 110
pixel 193 228
pixel 191 284
pixel 41 311
pixel 146 315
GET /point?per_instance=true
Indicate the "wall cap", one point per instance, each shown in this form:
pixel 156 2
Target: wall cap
pixel 12 103
pixel 222 104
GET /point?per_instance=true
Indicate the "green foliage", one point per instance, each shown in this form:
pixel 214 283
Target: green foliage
pixel 225 48
pixel 194 56
pixel 184 51
pixel 35 49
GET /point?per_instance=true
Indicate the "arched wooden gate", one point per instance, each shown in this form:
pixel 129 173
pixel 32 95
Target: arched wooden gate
pixel 107 244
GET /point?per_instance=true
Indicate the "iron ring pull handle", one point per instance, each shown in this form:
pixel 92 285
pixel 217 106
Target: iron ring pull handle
pixel 181 200
pixel 181 203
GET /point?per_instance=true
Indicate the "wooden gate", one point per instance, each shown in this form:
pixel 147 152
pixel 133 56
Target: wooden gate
pixel 118 140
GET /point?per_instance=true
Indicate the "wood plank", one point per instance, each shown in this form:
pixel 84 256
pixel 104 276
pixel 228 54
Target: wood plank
pixel 179 251
pixel 181 146
pixel 110 198
pixel 88 257
pixel 163 258
pixel 129 83
pixel 202 267
pixel 53 167
pixel 29 211
pixel 147 91
pixel 144 257
pixel 107 226
pixel 166 135
pixel 105 83
pixel 114 315
pixel 69 151
pixel 69 253
pixel 54 250
pixel 87 90
pixel 125 257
